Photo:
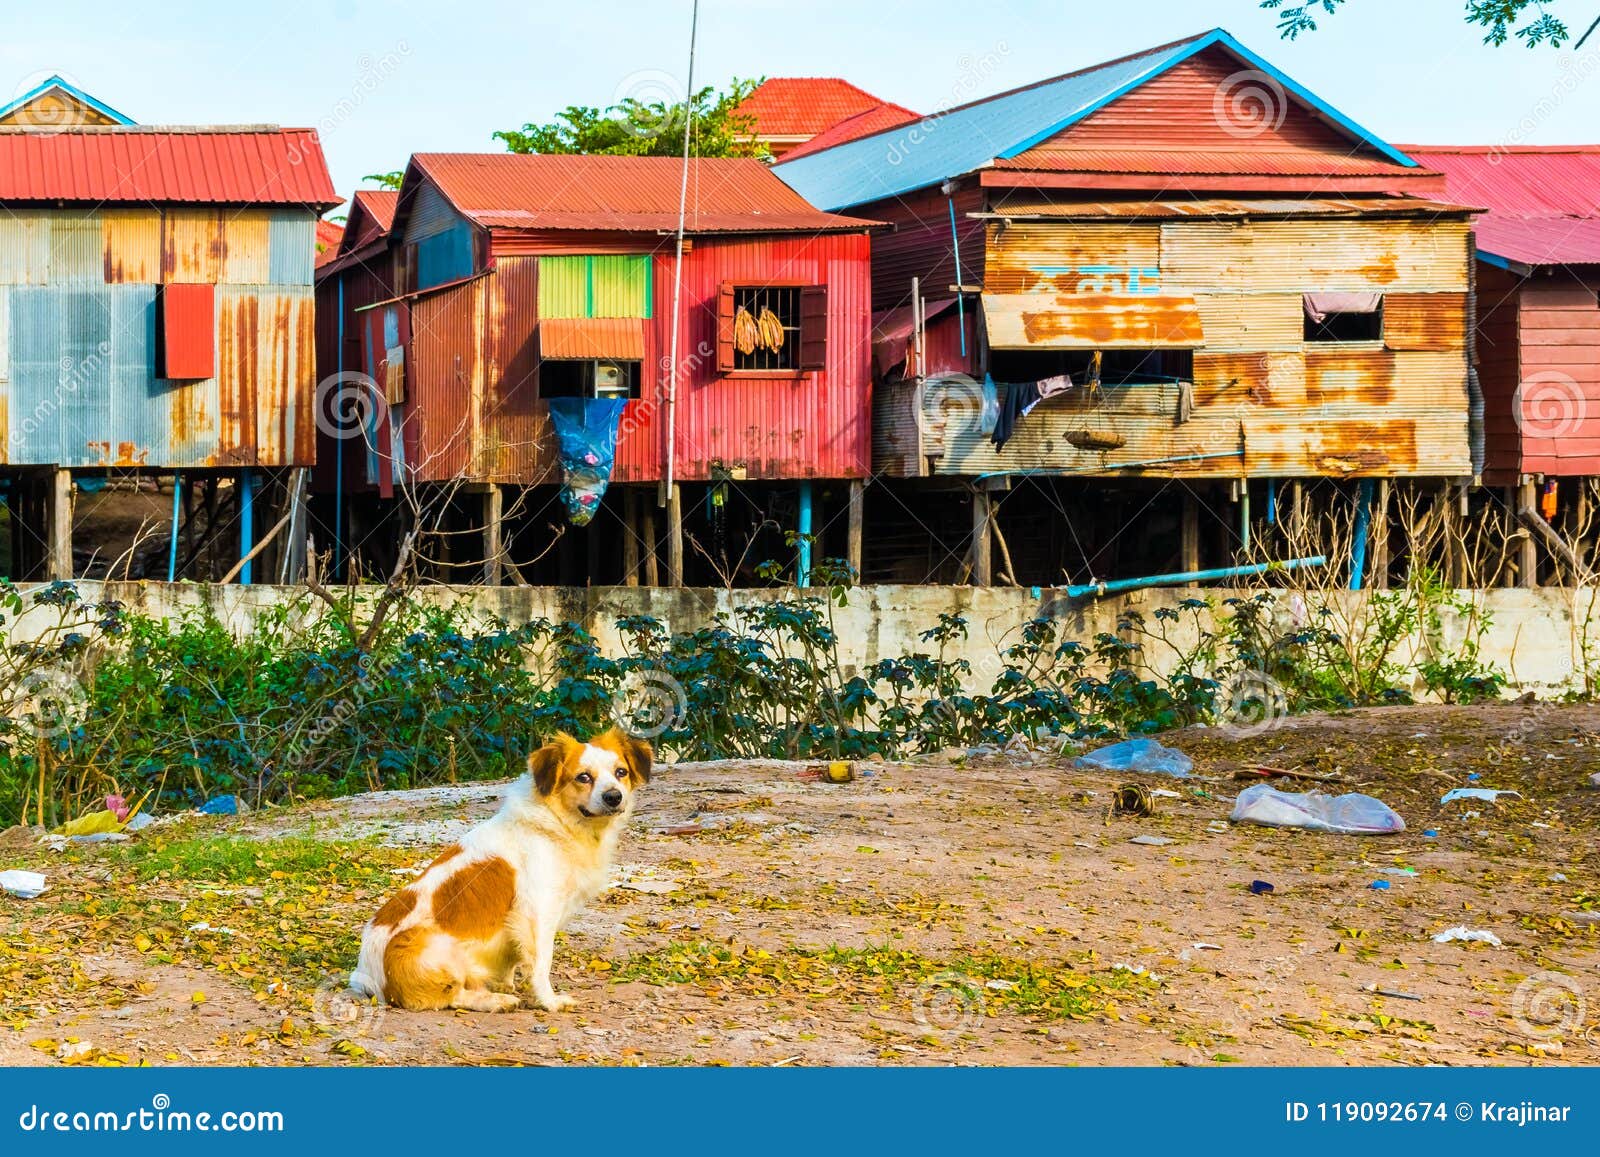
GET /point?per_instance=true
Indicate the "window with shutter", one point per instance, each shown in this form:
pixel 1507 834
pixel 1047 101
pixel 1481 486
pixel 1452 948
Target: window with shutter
pixel 813 327
pixel 772 328
pixel 187 325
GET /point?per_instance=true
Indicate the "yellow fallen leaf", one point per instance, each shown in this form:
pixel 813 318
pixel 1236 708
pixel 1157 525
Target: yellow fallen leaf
pixel 197 998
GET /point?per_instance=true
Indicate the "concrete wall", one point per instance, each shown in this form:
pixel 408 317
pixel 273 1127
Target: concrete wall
pixel 1535 636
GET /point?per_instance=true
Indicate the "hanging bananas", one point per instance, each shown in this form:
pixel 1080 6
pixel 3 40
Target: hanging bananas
pixel 746 333
pixel 771 330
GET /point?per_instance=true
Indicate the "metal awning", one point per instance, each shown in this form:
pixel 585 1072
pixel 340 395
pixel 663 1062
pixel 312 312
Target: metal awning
pixel 1073 321
pixel 618 339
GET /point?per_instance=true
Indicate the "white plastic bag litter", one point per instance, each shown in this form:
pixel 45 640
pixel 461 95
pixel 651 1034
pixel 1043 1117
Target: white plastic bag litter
pixel 1462 932
pixel 1144 755
pixel 1353 814
pixel 1484 793
pixel 23 885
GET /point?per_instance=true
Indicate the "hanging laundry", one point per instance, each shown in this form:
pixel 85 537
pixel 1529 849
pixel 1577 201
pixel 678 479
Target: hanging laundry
pixel 1549 505
pixel 1021 397
pixel 586 441
pixel 1050 387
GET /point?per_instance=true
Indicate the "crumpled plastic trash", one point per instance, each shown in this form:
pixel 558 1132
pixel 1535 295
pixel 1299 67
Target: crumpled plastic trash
pixel 1353 814
pixel 23 885
pixel 1143 755
pixel 1462 932
pixel 1484 793
pixel 224 805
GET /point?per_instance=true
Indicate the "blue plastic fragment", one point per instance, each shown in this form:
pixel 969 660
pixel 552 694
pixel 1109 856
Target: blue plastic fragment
pixel 1430 834
pixel 1259 887
pixel 221 805
pixel 1379 885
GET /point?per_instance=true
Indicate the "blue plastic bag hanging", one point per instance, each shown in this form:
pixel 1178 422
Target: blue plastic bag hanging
pixel 586 442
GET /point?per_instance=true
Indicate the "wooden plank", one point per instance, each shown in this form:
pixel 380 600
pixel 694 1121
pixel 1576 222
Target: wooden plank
pixel 857 515
pixel 493 542
pixel 982 538
pixel 59 548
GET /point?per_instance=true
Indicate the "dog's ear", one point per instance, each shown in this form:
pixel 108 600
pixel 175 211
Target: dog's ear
pixel 544 765
pixel 636 753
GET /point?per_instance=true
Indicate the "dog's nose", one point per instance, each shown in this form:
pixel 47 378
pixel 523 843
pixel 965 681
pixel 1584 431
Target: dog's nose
pixel 611 797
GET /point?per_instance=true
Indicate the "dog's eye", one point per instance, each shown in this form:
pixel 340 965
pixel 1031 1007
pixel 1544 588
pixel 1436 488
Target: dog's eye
pixel 622 773
pixel 585 777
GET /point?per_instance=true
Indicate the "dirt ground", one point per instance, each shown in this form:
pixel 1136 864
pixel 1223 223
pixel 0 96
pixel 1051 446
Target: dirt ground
pixel 966 910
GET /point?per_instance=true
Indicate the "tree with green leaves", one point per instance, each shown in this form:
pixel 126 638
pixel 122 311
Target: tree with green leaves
pixel 386 180
pixel 1529 21
pixel 648 128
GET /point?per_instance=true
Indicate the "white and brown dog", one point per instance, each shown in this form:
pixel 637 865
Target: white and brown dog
pixel 484 915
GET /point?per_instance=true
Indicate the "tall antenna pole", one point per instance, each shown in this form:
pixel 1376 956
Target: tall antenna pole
pixel 677 264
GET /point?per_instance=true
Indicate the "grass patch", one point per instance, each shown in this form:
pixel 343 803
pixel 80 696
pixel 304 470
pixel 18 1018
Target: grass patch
pixel 1081 990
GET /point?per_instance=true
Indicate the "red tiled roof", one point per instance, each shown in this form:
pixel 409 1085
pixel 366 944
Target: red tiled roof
pixel 327 243
pixel 802 106
pixel 629 194
pixel 243 165
pixel 1543 201
pixel 874 120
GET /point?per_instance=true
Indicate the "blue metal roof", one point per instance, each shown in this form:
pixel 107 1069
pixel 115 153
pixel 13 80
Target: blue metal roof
pixel 71 90
pixel 948 144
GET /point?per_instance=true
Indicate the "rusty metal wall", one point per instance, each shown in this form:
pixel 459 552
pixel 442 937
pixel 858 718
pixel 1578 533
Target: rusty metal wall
pixel 1395 407
pixel 79 290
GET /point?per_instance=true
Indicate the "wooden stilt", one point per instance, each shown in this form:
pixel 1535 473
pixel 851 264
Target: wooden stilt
pixel 630 536
pixel 647 531
pixel 493 542
pixel 1380 535
pixel 1189 546
pixel 675 536
pixel 982 538
pixel 1527 548
pixel 857 513
pixel 59 554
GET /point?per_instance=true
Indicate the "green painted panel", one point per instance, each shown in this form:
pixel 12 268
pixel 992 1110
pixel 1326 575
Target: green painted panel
pixel 612 285
pixel 564 287
pixel 621 286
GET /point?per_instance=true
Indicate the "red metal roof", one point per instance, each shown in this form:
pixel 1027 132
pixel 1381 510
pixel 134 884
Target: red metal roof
pixel 1177 161
pixel 802 106
pixel 327 243
pixel 242 165
pixel 628 194
pixel 873 120
pixel 1544 202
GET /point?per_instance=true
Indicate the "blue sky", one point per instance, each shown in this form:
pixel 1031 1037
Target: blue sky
pixel 382 80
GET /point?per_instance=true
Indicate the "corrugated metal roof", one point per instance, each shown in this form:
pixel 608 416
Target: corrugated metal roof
pixel 585 338
pixel 786 106
pixel 971 136
pixel 873 120
pixel 329 234
pixel 1016 208
pixel 233 165
pixel 629 194
pixel 1544 202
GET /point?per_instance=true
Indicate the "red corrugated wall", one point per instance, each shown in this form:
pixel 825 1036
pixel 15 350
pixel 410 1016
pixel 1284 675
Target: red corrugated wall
pixel 1559 324
pixel 816 425
pixel 473 403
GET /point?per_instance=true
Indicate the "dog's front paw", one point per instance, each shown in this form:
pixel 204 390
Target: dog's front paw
pixel 556 1002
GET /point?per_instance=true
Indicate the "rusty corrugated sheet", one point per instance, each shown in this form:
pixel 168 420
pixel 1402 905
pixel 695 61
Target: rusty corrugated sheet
pixel 1044 258
pixel 1092 321
pixel 1425 321
pixel 629 193
pixel 1026 204
pixel 131 239
pixel 245 249
pixel 25 247
pixel 76 252
pixel 1388 256
pixel 896 430
pixel 589 338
